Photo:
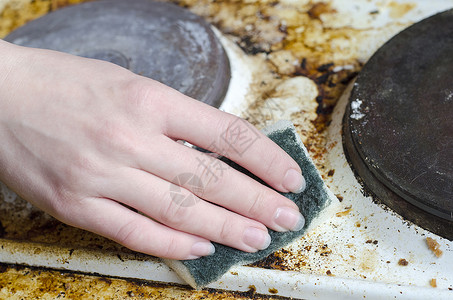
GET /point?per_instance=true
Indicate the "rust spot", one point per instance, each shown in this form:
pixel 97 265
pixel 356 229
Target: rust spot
pixel 375 242
pixel 403 262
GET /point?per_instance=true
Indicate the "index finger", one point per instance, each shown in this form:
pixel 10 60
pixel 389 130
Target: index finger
pixel 235 138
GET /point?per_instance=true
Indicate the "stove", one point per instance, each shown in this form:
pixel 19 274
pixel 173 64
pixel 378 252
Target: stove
pixel 289 60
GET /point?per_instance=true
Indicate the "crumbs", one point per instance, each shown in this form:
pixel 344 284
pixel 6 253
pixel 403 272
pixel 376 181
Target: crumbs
pixel 434 246
pixel 273 291
pixel 403 262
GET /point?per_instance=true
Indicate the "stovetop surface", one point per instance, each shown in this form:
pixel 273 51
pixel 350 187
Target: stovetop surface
pixel 296 59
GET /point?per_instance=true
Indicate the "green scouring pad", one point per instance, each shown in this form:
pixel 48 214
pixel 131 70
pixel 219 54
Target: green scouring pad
pixel 316 203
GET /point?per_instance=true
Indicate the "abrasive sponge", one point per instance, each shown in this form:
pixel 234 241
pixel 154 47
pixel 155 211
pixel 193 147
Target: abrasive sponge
pixel 316 204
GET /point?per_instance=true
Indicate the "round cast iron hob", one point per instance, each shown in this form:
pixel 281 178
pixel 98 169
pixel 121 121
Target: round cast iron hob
pixel 398 125
pixel 154 39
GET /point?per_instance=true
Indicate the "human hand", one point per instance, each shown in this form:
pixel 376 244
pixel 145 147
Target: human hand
pixel 86 141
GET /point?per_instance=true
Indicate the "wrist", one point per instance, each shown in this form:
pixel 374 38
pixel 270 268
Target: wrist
pixel 10 62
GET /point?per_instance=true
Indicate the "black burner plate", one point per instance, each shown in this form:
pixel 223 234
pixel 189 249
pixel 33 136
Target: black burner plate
pixel 158 40
pixel 398 125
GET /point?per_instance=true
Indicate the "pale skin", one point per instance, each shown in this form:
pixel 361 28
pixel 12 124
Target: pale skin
pixel 80 137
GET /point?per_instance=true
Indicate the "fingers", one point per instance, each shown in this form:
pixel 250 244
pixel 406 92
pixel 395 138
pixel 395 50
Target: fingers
pixel 234 138
pixel 137 232
pixel 179 209
pixel 221 184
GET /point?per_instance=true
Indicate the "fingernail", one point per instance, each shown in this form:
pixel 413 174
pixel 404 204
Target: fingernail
pixel 288 219
pixel 256 238
pixel 201 249
pixel 294 181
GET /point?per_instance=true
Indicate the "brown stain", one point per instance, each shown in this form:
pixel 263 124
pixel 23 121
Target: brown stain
pixel 399 10
pixel 368 260
pixel 275 27
pixel 324 250
pixel 320 8
pixel 252 289
pixel 2 230
pixel 276 260
pixel 300 258
pixel 343 213
pixel 30 283
pixel 56 4
pixel 433 283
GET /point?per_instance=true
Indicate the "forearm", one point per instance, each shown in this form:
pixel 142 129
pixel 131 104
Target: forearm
pixel 7 61
pixel 7 65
